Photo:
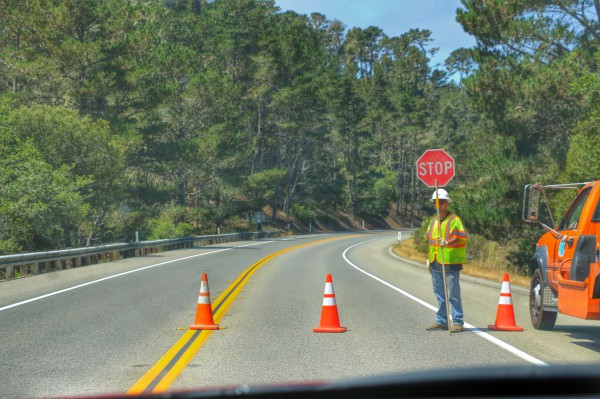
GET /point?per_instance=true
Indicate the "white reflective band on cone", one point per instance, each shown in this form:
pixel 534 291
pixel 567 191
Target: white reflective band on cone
pixel 505 287
pixel 329 288
pixel 505 300
pixel 204 300
pixel 329 301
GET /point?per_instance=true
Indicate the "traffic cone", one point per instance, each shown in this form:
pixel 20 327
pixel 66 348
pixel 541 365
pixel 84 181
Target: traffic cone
pixel 204 316
pixel 330 321
pixel 505 317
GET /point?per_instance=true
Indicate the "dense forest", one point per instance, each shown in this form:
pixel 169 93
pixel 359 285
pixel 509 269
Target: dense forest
pixel 174 117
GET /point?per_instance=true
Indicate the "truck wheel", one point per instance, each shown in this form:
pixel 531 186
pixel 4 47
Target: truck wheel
pixel 540 318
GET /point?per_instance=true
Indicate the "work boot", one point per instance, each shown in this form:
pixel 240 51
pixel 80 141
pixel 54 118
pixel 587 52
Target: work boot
pixel 456 328
pixel 436 326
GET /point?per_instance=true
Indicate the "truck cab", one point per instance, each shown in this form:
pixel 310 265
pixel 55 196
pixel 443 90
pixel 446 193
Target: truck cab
pixel 564 270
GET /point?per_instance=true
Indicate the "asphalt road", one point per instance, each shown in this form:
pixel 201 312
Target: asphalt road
pixel 100 328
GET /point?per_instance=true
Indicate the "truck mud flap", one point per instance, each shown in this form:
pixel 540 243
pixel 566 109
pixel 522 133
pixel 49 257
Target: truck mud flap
pixel 550 301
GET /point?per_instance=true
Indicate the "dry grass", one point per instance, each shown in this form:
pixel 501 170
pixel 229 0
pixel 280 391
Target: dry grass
pixel 489 264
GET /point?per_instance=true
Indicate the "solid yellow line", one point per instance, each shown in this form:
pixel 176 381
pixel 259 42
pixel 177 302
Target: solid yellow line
pixel 222 304
pixel 143 382
pixel 183 361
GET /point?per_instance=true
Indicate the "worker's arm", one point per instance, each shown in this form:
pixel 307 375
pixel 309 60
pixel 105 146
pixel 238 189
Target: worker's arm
pixel 458 235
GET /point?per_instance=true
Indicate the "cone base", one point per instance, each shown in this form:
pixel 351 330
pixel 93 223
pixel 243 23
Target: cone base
pixel 505 328
pixel 204 327
pixel 329 329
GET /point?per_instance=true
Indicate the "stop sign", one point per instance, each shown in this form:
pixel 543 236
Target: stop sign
pixel 435 165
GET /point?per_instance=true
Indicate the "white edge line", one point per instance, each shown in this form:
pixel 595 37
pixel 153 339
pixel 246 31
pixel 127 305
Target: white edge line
pixel 484 335
pixel 14 305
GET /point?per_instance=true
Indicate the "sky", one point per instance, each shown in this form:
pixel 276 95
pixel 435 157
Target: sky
pixel 394 17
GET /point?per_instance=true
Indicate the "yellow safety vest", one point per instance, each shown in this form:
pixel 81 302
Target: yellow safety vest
pixel 451 227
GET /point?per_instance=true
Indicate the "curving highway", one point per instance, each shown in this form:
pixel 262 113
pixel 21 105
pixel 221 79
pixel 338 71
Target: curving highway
pixel 122 326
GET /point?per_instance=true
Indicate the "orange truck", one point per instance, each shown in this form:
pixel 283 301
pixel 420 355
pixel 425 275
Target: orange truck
pixel 565 269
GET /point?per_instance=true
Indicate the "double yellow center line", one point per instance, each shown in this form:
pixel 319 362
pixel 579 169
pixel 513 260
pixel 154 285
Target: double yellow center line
pixel 160 377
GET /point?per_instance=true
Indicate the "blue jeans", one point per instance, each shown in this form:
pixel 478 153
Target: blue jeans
pixel 456 310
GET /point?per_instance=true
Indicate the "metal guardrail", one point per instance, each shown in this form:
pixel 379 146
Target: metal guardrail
pixel 30 264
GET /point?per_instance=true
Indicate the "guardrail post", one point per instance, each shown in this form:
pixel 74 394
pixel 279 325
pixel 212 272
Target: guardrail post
pixel 10 272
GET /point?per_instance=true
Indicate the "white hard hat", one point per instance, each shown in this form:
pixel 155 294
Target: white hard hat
pixel 441 194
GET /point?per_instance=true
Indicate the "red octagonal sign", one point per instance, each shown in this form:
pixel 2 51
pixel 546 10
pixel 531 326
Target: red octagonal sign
pixel 435 165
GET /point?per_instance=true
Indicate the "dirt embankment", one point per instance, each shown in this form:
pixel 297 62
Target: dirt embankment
pixel 334 220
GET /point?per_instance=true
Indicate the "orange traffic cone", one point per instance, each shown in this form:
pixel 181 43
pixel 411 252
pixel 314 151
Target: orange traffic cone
pixel 204 316
pixel 330 321
pixel 505 317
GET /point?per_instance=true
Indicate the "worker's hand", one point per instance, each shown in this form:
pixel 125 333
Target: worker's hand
pixel 442 242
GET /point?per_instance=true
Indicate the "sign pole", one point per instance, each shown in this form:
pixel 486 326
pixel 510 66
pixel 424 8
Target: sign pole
pixel 439 222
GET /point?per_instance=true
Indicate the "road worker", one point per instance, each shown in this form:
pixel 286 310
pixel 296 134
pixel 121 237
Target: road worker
pixel 447 246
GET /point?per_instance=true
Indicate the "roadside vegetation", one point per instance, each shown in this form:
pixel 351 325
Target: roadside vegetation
pixel 182 117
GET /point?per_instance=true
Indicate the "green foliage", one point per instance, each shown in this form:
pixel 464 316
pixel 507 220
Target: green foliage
pixel 64 138
pixel 378 199
pixel 584 145
pixel 490 197
pixel 159 116
pixel 217 107
pixel 420 241
pixel 523 248
pixel 535 82
pixel 304 213
pixel 41 206
pixel 171 223
pixel 528 28
pixel 84 148
pixel 262 186
pixel 582 158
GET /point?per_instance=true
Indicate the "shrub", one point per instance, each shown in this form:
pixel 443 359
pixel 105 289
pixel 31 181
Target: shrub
pixel 420 242
pixel 303 213
pixel 169 224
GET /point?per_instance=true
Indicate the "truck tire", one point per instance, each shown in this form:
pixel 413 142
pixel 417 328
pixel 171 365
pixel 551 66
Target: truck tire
pixel 540 318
